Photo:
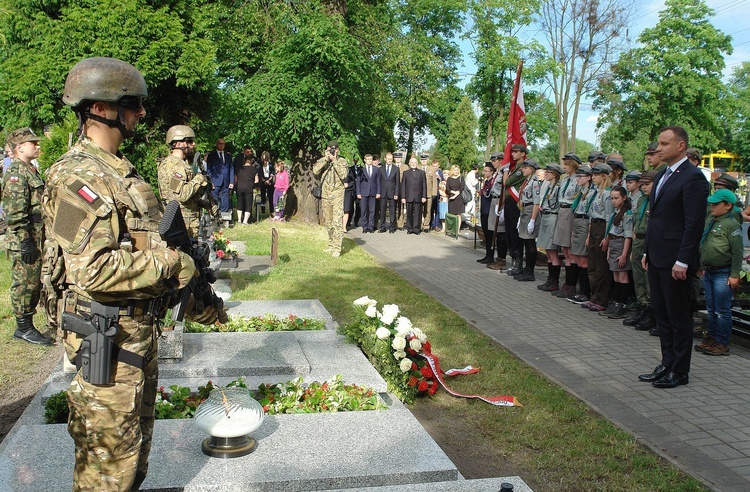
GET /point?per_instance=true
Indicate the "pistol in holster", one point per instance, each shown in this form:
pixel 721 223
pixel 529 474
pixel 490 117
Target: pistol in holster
pixel 98 350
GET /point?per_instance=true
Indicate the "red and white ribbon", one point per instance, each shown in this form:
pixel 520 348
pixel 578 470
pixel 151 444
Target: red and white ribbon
pixel 432 360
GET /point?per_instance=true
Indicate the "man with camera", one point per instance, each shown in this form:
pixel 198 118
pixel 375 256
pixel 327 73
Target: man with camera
pixel 333 171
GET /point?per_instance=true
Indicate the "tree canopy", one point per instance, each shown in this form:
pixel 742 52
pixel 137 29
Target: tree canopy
pixel 673 78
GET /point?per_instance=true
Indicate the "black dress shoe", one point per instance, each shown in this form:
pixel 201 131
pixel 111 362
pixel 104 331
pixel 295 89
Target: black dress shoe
pixel 381 230
pixel 671 380
pixel 659 372
pixel 486 260
pixel 392 231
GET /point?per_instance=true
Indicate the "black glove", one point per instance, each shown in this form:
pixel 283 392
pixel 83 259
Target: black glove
pixel 29 253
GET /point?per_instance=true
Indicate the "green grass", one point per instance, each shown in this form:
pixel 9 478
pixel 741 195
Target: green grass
pixel 556 439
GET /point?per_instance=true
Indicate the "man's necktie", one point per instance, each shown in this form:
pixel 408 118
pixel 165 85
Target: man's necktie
pixel 667 173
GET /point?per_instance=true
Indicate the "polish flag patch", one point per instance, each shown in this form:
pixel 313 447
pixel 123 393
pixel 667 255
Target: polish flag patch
pixel 13 179
pixel 87 194
pixel 178 175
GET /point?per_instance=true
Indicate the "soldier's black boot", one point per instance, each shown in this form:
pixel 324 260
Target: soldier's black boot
pixel 25 331
pixel 648 322
pixel 640 312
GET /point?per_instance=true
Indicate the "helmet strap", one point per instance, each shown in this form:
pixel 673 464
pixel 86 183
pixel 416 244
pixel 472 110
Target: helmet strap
pixel 119 123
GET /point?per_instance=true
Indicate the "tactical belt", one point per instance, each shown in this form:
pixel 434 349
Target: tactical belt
pixel 120 355
pixel 129 307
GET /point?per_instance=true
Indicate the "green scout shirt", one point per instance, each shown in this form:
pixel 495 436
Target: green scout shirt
pixel 721 244
pixel 515 178
pixel 640 215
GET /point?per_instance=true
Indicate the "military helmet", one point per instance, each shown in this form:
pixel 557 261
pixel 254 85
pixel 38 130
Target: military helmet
pixel 102 79
pixel 179 133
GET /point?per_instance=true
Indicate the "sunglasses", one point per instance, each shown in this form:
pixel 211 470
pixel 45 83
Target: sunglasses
pixel 134 103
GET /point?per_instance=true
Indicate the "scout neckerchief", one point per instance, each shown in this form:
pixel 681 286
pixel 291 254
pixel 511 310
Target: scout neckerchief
pixel 546 192
pixel 707 230
pixel 591 201
pixel 581 196
pixel 643 207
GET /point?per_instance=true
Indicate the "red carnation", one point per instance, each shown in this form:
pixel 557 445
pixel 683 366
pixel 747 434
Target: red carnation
pixel 414 366
pixel 422 386
pixel 426 371
pixel 220 254
pixel 432 389
pixel 412 381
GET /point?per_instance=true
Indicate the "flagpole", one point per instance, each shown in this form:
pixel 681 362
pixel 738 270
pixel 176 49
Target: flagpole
pixel 512 116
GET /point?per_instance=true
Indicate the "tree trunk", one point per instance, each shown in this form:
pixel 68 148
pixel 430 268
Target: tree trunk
pixel 490 136
pixel 410 141
pixel 300 202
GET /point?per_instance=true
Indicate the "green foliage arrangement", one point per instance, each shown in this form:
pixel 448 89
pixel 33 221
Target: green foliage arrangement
pixel 392 345
pixel 267 322
pixel 294 396
pixel 56 409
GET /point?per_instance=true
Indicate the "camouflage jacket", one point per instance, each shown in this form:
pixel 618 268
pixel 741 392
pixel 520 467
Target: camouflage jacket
pixel 93 199
pixel 177 181
pixel 22 204
pixel 335 180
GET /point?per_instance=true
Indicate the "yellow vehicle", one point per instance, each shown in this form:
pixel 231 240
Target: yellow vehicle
pixel 720 160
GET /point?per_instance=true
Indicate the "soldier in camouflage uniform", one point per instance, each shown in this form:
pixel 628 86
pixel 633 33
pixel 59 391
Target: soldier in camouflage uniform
pixel 177 181
pixel 22 203
pixel 104 218
pixel 334 171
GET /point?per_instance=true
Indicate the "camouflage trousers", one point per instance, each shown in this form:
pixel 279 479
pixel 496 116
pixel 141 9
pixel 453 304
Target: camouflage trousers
pixel 333 215
pixel 25 284
pixel 112 426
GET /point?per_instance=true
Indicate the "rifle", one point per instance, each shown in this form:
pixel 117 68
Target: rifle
pixel 173 231
pixel 95 355
pixel 207 201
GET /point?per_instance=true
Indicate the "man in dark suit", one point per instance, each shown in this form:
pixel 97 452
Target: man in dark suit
pixel 367 186
pixel 390 182
pixel 670 254
pixel 221 170
pixel 413 194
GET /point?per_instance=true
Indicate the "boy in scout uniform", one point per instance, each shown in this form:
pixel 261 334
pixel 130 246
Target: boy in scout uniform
pixel 721 261
pixel 177 181
pixel 22 203
pixel 643 319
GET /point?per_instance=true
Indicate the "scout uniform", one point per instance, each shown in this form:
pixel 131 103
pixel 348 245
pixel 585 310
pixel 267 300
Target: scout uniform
pixel 512 212
pixel 721 258
pixel 643 318
pixel 529 200
pixel 600 211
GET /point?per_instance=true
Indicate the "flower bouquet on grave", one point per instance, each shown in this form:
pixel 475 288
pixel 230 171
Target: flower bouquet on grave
pixel 222 246
pixel 402 354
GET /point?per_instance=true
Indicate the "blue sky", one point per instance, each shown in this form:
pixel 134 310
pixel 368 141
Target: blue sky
pixel 731 18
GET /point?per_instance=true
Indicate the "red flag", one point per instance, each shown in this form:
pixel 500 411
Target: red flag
pixel 516 119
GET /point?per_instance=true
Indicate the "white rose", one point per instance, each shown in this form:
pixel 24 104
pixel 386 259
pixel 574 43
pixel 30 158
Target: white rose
pixel 371 311
pixel 363 301
pixel 382 332
pixel 420 335
pixel 415 344
pixel 399 343
pixel 405 365
pixel 403 325
pixel 390 311
pixel 399 354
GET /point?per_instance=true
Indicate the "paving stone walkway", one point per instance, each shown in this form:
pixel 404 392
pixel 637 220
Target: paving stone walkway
pixel 703 428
